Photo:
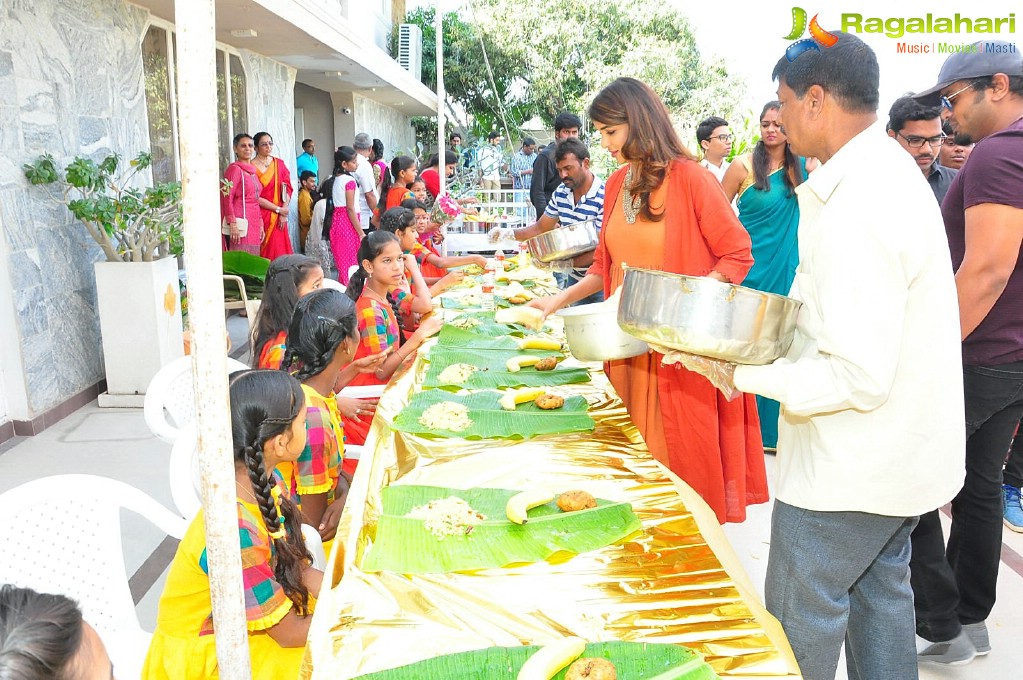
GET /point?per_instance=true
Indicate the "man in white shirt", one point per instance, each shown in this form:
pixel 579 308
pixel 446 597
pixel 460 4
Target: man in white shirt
pixel 366 193
pixel 715 140
pixel 491 162
pixel 871 433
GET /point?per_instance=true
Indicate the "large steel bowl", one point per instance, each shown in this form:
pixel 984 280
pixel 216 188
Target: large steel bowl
pixel 564 242
pixel 593 334
pixel 706 317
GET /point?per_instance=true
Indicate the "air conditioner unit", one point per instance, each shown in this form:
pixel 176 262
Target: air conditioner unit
pixel 410 49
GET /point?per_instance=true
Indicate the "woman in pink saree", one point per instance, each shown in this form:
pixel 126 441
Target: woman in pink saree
pixel 273 199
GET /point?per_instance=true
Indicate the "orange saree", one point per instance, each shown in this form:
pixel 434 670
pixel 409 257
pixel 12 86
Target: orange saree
pixel 277 188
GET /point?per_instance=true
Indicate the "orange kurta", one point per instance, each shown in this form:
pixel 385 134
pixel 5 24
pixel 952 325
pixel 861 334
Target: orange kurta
pixel 711 443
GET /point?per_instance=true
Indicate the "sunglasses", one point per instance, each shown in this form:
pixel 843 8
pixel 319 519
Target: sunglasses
pixel 946 101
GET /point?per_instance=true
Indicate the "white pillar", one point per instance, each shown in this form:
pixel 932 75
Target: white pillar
pixel 197 115
pixel 441 141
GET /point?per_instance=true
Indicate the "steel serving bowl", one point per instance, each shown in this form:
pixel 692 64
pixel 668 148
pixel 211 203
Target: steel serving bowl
pixel 564 242
pixel 707 317
pixel 593 333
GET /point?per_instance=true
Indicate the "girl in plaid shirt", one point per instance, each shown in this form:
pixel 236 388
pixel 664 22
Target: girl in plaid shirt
pixel 268 415
pixel 380 302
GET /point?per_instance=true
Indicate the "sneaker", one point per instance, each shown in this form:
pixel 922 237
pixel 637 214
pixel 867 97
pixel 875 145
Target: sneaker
pixel 977 632
pixel 955 652
pixel 1012 511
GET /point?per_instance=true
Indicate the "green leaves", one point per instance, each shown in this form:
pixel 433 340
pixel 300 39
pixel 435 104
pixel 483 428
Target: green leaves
pixel 131 223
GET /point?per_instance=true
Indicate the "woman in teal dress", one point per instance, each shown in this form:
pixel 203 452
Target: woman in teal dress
pixel 764 182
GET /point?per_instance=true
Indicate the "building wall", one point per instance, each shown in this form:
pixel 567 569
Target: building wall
pixel 318 114
pixel 385 123
pixel 270 88
pixel 72 75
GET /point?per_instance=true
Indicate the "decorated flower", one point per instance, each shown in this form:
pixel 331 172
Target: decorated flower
pixel 445 209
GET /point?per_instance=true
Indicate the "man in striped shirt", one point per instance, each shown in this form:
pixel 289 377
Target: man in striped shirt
pixel 579 197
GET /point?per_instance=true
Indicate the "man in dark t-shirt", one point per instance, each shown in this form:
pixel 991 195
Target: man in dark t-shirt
pixel 983 213
pixel 545 172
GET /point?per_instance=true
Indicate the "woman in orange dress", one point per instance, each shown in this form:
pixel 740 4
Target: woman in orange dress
pixel 273 199
pixel 663 211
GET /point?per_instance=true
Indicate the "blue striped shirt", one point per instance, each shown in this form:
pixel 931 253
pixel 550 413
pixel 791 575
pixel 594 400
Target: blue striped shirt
pixel 563 207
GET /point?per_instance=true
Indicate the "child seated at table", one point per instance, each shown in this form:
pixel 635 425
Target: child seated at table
pixel 405 218
pixel 430 236
pixel 323 337
pixel 401 222
pixel 380 303
pixel 288 278
pixel 268 427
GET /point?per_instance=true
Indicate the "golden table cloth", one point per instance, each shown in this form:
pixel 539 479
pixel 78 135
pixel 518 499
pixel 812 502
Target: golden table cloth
pixel 678 581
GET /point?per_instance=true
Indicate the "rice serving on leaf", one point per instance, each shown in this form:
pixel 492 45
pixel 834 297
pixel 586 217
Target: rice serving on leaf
pixel 465 322
pixel 449 516
pixel 446 415
pixel 456 374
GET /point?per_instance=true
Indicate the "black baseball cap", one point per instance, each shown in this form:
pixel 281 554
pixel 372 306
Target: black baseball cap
pixel 982 58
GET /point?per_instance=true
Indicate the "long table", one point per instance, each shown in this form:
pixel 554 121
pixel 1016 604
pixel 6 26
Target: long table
pixel 677 582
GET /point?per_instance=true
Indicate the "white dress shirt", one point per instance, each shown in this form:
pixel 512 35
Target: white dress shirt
pixel 718 172
pixel 872 415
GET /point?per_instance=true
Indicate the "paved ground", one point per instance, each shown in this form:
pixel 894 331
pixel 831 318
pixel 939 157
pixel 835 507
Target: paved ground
pixel 116 443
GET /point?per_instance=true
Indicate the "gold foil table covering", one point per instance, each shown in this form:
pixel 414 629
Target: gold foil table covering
pixel 667 584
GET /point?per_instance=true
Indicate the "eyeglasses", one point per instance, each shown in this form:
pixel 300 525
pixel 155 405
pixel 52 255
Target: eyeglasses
pixel 266 143
pixel 946 101
pixel 723 138
pixel 914 142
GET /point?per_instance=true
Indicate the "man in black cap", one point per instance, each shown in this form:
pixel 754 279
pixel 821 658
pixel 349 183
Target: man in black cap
pixel 954 588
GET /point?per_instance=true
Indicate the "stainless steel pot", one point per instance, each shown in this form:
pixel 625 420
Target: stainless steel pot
pixel 706 317
pixel 564 242
pixel 593 333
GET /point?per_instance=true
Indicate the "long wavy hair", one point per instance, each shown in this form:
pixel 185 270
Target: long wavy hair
pixel 762 163
pixel 652 144
pixel 321 322
pixel 264 404
pixel 280 294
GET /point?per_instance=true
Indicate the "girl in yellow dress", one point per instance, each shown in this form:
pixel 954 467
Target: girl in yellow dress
pixel 268 415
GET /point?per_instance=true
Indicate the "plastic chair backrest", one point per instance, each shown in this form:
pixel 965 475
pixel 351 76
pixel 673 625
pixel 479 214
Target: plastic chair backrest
pixel 63 535
pixel 172 394
pixel 184 483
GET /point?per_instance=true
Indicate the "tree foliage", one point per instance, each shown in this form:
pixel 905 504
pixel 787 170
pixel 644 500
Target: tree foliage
pixel 556 55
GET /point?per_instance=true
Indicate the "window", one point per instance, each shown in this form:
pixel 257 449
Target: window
pixel 158 50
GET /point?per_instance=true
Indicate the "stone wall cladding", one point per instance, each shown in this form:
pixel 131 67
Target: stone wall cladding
pixel 73 72
pixel 385 123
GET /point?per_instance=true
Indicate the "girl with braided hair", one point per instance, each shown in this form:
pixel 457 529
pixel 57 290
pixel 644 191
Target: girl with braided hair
pixel 323 337
pixel 268 427
pixel 288 278
pixel 380 303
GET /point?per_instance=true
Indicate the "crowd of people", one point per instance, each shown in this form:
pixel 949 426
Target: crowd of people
pixel 901 392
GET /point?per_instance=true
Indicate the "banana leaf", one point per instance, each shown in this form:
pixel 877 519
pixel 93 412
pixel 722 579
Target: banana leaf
pixel 632 660
pixel 492 372
pixel 461 338
pixel 252 270
pixel 487 326
pixel 463 301
pixel 404 545
pixel 489 420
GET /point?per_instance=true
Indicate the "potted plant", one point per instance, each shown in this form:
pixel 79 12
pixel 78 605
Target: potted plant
pixel 138 229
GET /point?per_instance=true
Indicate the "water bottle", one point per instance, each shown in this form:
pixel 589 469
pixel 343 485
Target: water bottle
pixel 488 288
pixel 498 264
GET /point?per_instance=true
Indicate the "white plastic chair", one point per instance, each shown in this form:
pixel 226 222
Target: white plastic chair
pixel 63 535
pixel 250 305
pixel 185 490
pixel 170 398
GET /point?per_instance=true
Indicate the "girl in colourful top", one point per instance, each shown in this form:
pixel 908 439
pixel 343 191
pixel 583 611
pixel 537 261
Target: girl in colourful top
pixel 402 223
pixel 288 278
pixel 268 426
pixel 396 183
pixel 323 339
pixel 430 236
pixel 380 302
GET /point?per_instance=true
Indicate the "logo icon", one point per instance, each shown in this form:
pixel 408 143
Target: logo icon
pixel 818 36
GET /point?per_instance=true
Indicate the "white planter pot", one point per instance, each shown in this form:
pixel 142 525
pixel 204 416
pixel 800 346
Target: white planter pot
pixel 140 322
